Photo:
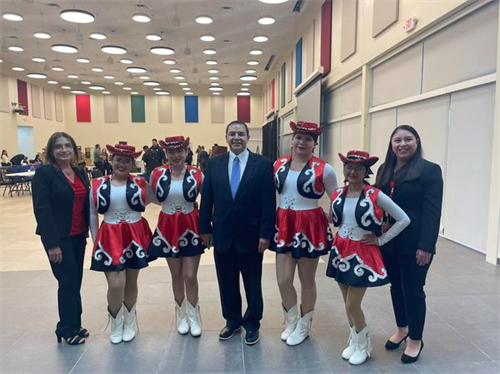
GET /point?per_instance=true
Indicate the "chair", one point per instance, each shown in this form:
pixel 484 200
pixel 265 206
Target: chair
pixel 7 182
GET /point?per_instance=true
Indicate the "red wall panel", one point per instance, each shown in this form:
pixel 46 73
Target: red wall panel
pixel 326 36
pixel 83 108
pixel 243 108
pixel 22 95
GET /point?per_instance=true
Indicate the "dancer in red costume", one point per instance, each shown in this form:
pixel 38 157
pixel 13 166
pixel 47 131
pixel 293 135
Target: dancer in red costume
pixel 176 237
pixel 121 243
pixel 302 231
pixel 355 260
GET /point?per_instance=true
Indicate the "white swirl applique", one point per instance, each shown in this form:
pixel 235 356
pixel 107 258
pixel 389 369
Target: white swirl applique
pixel 100 253
pixel 101 201
pixel 370 213
pixel 344 264
pixel 160 241
pixel 184 241
pixel 337 201
pixel 137 196
pixel 192 192
pixel 310 185
pixel 280 170
pixel 160 192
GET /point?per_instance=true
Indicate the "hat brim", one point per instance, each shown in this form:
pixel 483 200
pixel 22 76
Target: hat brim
pixel 120 152
pixel 165 146
pixel 368 162
pixel 303 130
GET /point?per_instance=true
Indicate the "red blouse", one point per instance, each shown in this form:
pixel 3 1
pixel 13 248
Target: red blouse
pixel 78 224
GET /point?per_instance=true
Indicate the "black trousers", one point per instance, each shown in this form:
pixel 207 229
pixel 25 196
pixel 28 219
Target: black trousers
pixel 69 275
pixel 407 291
pixel 229 266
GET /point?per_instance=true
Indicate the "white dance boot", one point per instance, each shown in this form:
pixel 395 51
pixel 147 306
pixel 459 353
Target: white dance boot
pixel 194 319
pixel 129 323
pixel 301 332
pixel 182 318
pixel 353 342
pixel 363 348
pixel 291 320
pixel 116 326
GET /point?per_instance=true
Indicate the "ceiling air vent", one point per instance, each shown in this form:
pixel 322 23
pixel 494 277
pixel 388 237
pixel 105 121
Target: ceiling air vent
pixel 270 62
pixel 226 9
pixel 53 5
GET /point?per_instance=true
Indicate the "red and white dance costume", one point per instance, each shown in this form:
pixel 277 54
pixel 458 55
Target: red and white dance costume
pixel 301 225
pixel 124 236
pixel 351 261
pixel 177 233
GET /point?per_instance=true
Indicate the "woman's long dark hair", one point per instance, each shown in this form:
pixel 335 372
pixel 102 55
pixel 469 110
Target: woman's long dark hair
pixel 412 168
pixel 50 159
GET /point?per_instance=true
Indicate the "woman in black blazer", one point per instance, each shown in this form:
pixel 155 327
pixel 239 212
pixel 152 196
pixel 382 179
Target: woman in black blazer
pixel 416 185
pixel 61 206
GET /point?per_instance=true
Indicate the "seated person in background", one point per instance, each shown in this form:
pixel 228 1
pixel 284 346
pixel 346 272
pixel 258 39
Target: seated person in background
pixel 5 158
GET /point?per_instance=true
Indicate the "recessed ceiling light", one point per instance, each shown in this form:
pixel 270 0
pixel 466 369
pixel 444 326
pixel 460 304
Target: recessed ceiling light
pixel 134 93
pixel 207 38
pixel 169 62
pixel 248 77
pixel 253 62
pixel 175 71
pixel 214 78
pixel 136 70
pixel 245 89
pixel 57 68
pixel 79 92
pixel 214 84
pixel 186 89
pixel 118 83
pixel 216 93
pixel 64 48
pixel 250 71
pixel 256 52
pixel 145 77
pixel 77 16
pixel 38 59
pixel 246 84
pixel 106 92
pixel 83 60
pixel 267 20
pixel 36 76
pixel 203 19
pixel 10 16
pixel 97 88
pixel 141 17
pixel 53 82
pixel 162 93
pixel 126 61
pixel 97 36
pixel 189 93
pixel 243 93
pixel 209 51
pixel 151 83
pixel 211 62
pixel 183 84
pixel 273 1
pixel 153 37
pixel 66 87
pixel 42 35
pixel 98 69
pixel 180 77
pixel 86 82
pixel 17 68
pixel 260 38
pixel 215 88
pixel 127 88
pixel 109 77
pixel 213 71
pixel 16 48
pixel 157 89
pixel 73 76
pixel 162 51
pixel 113 49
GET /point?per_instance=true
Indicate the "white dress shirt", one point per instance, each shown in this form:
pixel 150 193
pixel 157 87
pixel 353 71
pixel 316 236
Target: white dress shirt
pixel 243 156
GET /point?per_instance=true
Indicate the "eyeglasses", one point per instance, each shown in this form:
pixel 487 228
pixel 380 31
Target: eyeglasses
pixel 349 168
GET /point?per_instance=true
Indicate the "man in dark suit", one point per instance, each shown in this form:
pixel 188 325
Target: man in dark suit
pixel 238 208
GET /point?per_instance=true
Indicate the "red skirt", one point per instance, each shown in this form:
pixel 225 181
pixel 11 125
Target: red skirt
pixel 176 235
pixel 305 233
pixel 121 246
pixel 356 264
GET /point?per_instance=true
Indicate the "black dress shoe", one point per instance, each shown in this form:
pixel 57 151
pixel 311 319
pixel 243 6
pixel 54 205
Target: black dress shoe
pixel 228 332
pixel 391 345
pixel 409 359
pixel 252 337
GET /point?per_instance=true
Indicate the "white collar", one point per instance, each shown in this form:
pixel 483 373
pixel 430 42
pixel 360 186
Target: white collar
pixel 243 156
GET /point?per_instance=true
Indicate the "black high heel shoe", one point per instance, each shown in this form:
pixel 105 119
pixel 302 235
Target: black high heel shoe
pixel 390 346
pixel 83 332
pixel 70 340
pixel 409 359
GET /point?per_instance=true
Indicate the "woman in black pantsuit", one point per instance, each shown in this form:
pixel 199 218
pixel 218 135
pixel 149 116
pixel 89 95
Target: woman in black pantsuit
pixel 61 206
pixel 416 185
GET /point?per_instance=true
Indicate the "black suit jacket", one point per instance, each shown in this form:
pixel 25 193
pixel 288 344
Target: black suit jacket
pixel 53 204
pixel 421 199
pixel 250 216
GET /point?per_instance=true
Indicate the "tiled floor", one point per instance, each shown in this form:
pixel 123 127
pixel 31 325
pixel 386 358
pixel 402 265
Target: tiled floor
pixel 462 332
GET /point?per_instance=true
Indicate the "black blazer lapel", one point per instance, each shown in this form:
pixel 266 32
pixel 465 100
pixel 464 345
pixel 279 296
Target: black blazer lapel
pixel 62 177
pixel 224 161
